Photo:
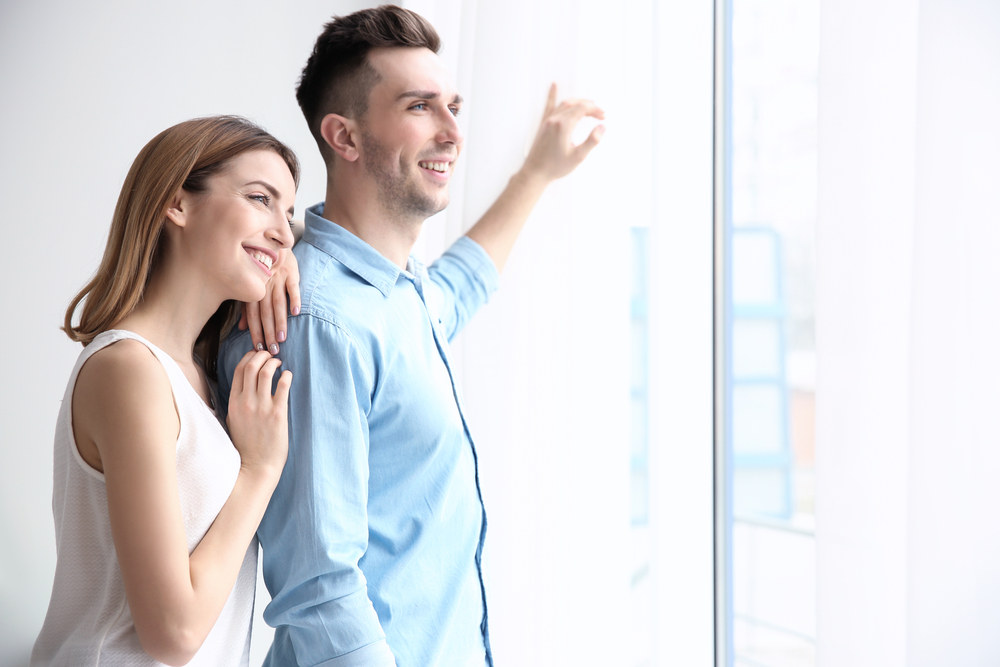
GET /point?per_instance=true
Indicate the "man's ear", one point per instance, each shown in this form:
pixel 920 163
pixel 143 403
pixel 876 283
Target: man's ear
pixel 339 133
pixel 177 208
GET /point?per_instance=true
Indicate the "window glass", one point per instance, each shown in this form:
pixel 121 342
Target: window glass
pixel 770 352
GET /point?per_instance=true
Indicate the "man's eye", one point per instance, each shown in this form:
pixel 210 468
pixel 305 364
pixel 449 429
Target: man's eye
pixel 455 110
pixel 419 106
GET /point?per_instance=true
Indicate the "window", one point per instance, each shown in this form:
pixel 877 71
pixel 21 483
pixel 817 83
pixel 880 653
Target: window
pixel 770 182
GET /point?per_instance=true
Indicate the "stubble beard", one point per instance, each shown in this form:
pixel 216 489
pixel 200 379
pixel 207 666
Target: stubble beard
pixel 397 193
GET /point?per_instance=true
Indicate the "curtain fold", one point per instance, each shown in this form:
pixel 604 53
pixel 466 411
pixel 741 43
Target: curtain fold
pixel 907 323
pixel 545 367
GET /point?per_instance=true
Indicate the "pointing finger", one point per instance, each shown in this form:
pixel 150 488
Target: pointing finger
pixel 550 103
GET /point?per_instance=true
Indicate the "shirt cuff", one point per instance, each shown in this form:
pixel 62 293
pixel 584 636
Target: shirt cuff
pixel 477 261
pixel 372 655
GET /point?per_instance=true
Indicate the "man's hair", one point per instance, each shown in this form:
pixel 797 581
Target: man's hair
pixel 338 78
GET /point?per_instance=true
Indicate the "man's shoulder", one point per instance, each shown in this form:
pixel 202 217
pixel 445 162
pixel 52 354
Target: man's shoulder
pixel 332 292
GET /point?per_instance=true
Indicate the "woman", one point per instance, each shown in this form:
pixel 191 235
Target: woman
pixel 155 507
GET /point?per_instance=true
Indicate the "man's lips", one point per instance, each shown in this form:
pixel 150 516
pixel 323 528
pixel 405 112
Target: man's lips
pixel 440 166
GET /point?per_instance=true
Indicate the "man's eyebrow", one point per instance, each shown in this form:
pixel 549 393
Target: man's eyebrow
pixel 426 95
pixel 274 193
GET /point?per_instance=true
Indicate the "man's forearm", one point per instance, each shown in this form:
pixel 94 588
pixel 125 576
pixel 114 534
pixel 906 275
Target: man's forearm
pixel 502 223
pixel 553 155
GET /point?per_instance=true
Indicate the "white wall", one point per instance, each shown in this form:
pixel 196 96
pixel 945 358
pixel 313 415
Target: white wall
pixel 85 85
pixel 545 368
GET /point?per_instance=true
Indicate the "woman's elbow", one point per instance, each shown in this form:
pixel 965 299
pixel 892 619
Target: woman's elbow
pixel 172 646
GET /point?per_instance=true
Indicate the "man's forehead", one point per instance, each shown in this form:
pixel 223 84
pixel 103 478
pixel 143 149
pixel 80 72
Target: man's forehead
pixel 404 70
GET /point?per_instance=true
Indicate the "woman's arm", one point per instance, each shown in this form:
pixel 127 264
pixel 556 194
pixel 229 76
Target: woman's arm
pixel 124 411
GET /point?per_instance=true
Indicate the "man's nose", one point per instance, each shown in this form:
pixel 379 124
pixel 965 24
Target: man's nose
pixel 449 131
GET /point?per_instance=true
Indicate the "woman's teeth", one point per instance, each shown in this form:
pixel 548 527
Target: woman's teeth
pixel 263 259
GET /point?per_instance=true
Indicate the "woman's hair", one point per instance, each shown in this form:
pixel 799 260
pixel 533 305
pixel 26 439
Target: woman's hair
pixel 182 156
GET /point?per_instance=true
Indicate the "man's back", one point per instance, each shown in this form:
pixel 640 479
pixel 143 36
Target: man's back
pixel 379 500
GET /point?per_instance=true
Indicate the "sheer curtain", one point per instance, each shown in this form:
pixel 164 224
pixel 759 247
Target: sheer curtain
pixel 545 366
pixel 907 324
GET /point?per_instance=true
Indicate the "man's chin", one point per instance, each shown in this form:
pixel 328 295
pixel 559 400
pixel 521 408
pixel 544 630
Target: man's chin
pixel 434 206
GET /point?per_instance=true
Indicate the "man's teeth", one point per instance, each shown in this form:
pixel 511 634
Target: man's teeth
pixel 263 259
pixel 435 166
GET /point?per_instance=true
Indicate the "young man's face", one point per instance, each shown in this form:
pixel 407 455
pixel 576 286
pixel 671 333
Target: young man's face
pixel 410 138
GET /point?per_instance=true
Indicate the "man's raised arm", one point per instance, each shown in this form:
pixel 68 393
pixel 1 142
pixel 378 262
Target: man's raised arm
pixel 552 156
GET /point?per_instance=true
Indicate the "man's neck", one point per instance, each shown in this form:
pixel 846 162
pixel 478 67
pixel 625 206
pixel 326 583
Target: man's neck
pixel 362 216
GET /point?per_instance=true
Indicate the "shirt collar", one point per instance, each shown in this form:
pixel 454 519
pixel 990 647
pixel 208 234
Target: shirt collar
pixel 360 258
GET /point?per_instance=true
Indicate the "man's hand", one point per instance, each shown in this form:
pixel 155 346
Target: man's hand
pixel 268 318
pixel 553 154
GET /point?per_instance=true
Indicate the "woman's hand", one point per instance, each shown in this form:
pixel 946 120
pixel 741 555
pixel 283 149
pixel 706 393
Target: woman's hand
pixel 258 420
pixel 267 319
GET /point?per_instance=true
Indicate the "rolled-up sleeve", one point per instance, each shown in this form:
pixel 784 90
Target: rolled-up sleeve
pixel 463 279
pixel 315 530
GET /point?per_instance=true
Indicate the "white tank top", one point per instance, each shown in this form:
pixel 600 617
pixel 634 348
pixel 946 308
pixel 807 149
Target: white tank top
pixel 88 620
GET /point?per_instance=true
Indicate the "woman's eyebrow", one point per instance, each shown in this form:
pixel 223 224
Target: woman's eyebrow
pixel 274 192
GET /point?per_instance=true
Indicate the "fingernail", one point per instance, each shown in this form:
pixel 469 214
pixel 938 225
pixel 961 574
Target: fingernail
pixel 274 348
pixel 260 347
pixel 295 310
pixel 281 336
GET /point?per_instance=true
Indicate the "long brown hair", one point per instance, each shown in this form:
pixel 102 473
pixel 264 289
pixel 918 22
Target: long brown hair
pixel 182 156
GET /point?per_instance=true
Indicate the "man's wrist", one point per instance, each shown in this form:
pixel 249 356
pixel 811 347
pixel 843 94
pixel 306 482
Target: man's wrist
pixel 530 179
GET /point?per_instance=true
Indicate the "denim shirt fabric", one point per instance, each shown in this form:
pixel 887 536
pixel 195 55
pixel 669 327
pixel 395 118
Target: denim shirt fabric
pixel 372 542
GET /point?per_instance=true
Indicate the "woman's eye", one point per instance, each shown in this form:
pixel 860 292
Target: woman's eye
pixel 263 199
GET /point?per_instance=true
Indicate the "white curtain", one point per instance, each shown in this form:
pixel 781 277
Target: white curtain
pixel 908 458
pixel 545 366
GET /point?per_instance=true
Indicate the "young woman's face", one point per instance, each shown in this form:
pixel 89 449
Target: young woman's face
pixel 236 228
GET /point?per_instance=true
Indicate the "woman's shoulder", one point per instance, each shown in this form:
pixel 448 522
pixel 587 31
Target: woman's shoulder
pixel 124 377
pixel 122 396
pixel 127 359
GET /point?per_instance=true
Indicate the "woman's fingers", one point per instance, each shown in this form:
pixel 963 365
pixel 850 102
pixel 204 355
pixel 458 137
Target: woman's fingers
pixel 281 391
pixel 265 376
pixel 279 307
pixel 294 297
pixel 267 320
pixel 251 370
pixel 253 323
pixel 238 373
pixel 254 377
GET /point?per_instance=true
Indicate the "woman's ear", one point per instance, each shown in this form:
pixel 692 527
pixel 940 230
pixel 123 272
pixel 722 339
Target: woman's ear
pixel 177 208
pixel 338 133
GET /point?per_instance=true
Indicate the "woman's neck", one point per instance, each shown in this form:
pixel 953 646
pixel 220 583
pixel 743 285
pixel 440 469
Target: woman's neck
pixel 171 315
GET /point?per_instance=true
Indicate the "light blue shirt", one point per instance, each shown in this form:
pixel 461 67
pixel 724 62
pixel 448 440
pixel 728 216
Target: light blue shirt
pixel 373 539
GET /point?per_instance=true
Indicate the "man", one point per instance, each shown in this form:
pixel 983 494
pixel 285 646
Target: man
pixel 373 539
